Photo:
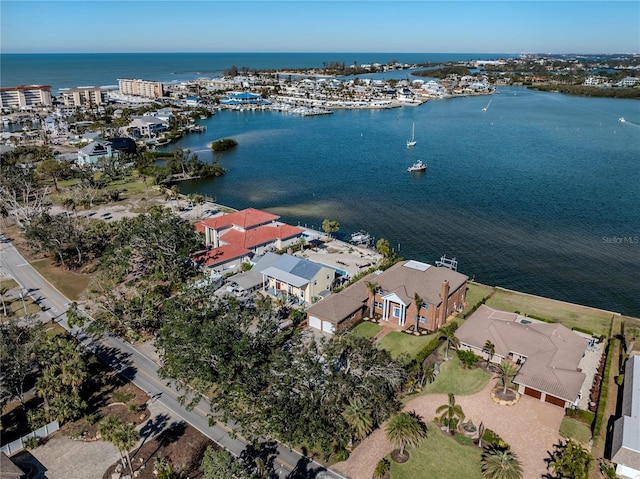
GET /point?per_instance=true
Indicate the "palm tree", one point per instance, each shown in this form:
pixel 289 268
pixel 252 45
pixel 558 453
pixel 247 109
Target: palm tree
pixel 490 349
pixel 405 430
pixel 570 460
pixel 500 464
pixel 127 437
pixel 448 333
pixel 372 287
pixel 449 412
pixel 506 372
pixel 3 290
pixel 418 302
pixel 122 436
pixel 359 418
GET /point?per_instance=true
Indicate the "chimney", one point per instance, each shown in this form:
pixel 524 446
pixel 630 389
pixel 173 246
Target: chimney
pixel 444 308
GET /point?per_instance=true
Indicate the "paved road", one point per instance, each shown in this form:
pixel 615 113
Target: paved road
pixel 142 371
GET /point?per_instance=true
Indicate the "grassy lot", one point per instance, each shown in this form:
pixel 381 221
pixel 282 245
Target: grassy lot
pixel 567 314
pixel 8 283
pixel 68 283
pixel 454 379
pixel 575 430
pixel 366 329
pixel 439 456
pixel 397 343
pixel 476 293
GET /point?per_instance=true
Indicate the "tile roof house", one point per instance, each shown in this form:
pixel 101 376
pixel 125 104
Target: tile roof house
pixel 441 290
pixel 549 353
pixel 625 442
pixel 235 237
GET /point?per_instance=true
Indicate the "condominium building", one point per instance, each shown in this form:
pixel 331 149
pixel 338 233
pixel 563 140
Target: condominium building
pixel 84 96
pixel 144 88
pixel 25 96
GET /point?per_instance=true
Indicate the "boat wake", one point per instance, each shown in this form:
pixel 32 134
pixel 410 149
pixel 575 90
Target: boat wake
pixel 627 122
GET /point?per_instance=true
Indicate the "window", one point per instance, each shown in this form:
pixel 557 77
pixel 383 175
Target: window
pixel 397 312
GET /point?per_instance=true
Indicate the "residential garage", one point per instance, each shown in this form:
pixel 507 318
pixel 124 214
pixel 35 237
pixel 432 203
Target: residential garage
pixel 555 400
pixel 532 393
pixel 315 322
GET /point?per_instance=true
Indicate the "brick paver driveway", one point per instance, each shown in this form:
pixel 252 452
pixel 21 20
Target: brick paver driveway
pixel 530 427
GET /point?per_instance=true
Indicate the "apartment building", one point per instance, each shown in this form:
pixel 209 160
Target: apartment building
pixel 144 88
pixel 87 96
pixel 25 96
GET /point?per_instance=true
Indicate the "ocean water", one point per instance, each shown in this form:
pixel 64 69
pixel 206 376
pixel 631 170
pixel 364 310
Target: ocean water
pixel 540 193
pixel 66 70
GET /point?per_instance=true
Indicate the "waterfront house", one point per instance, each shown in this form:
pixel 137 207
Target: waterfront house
pixel 625 443
pixel 235 237
pixel 147 126
pixel 390 297
pixel 298 280
pixel 548 354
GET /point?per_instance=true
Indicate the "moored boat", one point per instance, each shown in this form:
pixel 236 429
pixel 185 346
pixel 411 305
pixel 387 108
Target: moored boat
pixel 417 166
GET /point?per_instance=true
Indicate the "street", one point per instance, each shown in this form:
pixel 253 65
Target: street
pixel 142 371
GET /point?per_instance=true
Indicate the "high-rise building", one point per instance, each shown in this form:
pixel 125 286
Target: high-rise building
pixel 25 96
pixel 144 88
pixel 84 96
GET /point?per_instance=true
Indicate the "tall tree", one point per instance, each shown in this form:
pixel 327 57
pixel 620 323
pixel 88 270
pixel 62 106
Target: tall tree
pixel 450 413
pixel 359 418
pixel 570 461
pixel 372 287
pixel 123 436
pixel 405 430
pixel 448 334
pixel 490 350
pixel 220 464
pixel 506 372
pixel 500 464
pixel 20 343
pixel 330 226
pixel 418 301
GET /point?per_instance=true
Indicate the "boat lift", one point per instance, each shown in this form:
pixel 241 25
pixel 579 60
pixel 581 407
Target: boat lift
pixel 450 263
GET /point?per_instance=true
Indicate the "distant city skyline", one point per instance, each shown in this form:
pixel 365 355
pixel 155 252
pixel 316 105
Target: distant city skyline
pixel 95 26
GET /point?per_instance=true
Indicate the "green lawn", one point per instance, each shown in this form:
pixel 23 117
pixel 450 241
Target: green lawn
pixel 397 343
pixel 575 430
pixel 366 329
pixel 439 456
pixel 475 293
pixel 569 315
pixel 454 379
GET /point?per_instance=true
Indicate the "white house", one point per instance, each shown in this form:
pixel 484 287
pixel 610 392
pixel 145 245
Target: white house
pixel 625 443
pixel 95 150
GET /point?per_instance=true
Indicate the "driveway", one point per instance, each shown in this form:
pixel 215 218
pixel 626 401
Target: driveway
pixel 530 427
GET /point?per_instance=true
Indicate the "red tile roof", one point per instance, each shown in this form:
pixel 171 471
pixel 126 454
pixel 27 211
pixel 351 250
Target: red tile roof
pixel 244 219
pixel 216 256
pixel 260 235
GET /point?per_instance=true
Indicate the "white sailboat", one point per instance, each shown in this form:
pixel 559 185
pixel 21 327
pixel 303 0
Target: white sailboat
pixel 487 107
pixel 412 141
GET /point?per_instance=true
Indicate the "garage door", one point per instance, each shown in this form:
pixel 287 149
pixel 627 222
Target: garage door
pixel 315 322
pixel 328 327
pixel 532 392
pixel 555 400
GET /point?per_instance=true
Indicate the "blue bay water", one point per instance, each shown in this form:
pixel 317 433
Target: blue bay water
pixel 539 194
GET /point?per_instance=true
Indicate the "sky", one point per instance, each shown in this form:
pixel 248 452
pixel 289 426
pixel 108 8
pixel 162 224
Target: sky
pixel 420 26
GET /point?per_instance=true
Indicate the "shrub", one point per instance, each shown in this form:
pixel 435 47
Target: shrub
pixel 427 350
pixel 31 442
pixel 467 358
pixel 620 379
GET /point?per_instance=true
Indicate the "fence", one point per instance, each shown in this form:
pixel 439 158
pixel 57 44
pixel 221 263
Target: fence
pixel 18 444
